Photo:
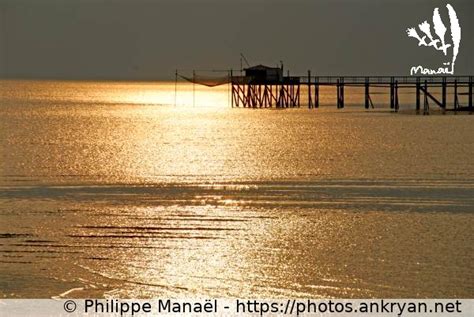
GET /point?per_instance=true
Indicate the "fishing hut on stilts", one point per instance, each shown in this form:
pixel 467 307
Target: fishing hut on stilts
pixel 265 87
pixel 262 86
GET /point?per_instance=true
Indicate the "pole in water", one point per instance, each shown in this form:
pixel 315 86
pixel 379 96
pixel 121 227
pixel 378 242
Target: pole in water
pixel 342 92
pixel 418 87
pixel 392 93
pixel 455 95
pixel 175 86
pixel 316 92
pixel 367 92
pixel 397 105
pixel 426 106
pixel 310 102
pixel 231 83
pixel 443 93
pixel 470 93
pixel 229 96
pixel 194 88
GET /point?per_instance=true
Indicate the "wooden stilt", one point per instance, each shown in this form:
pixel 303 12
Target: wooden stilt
pixel 280 97
pixel 232 90
pixel 456 100
pixel 235 95
pixel 288 90
pixel 367 92
pixel 392 93
pixel 443 93
pixel 470 94
pixel 342 92
pixel 175 87
pixel 397 105
pixel 194 88
pixel 298 87
pixel 316 92
pixel 338 94
pixel 418 88
pixel 288 95
pixel 250 97
pixel 310 101
pixel 426 106
pixel 272 96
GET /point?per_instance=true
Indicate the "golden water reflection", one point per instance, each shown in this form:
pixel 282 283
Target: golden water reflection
pixel 110 190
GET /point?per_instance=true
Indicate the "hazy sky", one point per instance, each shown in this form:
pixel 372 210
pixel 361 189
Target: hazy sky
pixel 145 39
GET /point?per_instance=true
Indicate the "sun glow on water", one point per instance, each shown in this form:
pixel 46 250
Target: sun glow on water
pixel 171 94
pixel 180 94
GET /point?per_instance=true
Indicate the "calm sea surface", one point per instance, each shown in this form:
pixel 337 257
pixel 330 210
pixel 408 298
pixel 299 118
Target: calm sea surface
pixel 109 190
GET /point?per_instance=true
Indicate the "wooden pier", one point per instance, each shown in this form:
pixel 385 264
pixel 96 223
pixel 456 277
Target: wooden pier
pixel 258 90
pixel 261 86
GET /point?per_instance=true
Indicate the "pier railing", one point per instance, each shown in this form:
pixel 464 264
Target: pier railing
pixel 384 80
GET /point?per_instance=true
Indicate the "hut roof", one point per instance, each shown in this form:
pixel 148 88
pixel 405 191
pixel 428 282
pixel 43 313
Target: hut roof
pixel 260 67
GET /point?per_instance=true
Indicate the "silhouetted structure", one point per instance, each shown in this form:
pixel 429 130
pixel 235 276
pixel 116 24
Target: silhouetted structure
pixel 264 87
pixel 262 73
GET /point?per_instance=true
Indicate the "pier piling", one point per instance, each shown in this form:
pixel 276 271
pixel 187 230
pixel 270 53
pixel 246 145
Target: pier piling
pixel 426 105
pixel 340 92
pixel 392 93
pixel 418 88
pixel 470 93
pixel 443 93
pixel 367 85
pixel 310 102
pixel 397 105
pixel 456 100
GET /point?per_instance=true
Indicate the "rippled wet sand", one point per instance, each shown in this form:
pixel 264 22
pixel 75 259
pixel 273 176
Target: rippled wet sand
pixel 101 198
